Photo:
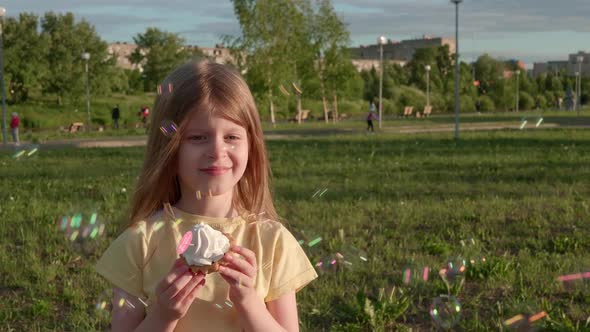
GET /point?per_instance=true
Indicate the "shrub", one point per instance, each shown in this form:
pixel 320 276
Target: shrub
pixel 486 104
pixel 541 102
pixel 525 101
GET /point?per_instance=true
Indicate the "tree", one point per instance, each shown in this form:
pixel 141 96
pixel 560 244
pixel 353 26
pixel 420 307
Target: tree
pixel 67 41
pixel 159 52
pixel 330 38
pixel 25 56
pixel 273 47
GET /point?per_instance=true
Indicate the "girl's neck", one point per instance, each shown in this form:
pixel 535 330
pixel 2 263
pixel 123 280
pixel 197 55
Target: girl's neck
pixel 213 207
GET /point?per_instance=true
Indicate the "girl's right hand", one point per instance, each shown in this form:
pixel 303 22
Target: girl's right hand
pixel 177 290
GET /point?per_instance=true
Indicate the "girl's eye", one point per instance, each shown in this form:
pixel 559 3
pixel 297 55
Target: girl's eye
pixel 233 137
pixel 197 138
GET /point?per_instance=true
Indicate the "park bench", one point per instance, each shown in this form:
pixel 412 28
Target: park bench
pixel 75 126
pixel 408 111
pixel 427 111
pixel 304 116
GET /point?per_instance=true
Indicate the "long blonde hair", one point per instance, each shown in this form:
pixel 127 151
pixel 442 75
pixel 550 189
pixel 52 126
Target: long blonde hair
pixel 205 87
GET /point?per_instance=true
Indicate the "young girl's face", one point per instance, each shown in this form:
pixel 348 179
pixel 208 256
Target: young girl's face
pixel 213 155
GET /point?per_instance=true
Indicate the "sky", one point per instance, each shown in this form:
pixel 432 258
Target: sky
pixel 529 30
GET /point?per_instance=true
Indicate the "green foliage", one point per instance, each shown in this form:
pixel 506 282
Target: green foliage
pixel 541 102
pixel 525 101
pixel 159 52
pixel 25 50
pixel 67 41
pixel 486 104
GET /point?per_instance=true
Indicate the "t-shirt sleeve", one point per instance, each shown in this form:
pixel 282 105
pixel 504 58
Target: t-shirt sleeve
pixel 122 263
pixel 291 269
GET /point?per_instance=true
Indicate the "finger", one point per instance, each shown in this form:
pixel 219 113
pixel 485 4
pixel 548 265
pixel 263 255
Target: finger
pixel 176 272
pixel 235 277
pixel 240 265
pixel 247 253
pixel 239 283
pixel 177 285
pixel 194 292
pixel 196 279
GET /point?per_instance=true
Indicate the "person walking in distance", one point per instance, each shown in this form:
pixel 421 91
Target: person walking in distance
pixel 116 114
pixel 14 123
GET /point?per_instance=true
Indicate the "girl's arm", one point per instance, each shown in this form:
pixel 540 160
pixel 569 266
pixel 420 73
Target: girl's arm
pixel 277 315
pixel 284 311
pixel 281 314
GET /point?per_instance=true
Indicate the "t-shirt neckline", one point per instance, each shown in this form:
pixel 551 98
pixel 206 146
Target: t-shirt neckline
pixel 177 213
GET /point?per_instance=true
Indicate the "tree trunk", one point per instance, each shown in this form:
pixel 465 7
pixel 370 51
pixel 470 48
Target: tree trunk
pixel 335 107
pixel 298 108
pixel 324 97
pixel 272 108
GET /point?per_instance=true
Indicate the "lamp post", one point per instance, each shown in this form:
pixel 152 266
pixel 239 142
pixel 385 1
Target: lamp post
pixel 381 41
pixel 427 67
pixel 517 88
pixel 456 2
pixel 86 57
pixel 580 59
pixel 4 135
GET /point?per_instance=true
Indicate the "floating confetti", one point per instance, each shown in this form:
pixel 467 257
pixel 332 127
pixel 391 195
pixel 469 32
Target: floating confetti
pixel 539 122
pixel 523 124
pixel 445 311
pixel 168 128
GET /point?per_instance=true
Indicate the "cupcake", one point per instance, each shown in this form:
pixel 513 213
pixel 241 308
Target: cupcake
pixel 203 248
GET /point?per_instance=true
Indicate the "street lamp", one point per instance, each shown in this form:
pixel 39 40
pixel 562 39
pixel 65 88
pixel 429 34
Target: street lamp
pixel 381 41
pixel 427 67
pixel 456 2
pixel 4 136
pixel 86 57
pixel 580 59
pixel 517 88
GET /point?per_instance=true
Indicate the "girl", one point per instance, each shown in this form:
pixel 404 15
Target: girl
pixel 213 170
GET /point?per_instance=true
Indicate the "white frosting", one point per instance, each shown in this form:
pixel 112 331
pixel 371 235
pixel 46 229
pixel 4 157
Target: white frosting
pixel 208 246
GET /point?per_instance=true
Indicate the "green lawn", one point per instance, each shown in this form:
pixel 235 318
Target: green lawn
pixel 406 200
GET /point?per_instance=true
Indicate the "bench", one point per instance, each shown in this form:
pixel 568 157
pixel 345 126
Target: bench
pixel 408 111
pixel 75 126
pixel 304 115
pixel 427 111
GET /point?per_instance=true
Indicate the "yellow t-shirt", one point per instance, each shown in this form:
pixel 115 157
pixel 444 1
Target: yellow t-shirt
pixel 140 257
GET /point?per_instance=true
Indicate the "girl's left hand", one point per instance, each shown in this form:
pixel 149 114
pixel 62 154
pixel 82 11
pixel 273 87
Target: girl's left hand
pixel 240 273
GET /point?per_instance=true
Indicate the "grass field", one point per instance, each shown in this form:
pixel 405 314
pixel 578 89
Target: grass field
pixel 407 200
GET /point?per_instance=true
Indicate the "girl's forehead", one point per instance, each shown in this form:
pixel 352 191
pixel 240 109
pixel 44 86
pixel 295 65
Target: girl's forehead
pixel 207 120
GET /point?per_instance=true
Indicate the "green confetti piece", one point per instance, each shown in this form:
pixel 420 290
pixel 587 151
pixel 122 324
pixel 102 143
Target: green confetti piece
pixel 314 242
pixel 93 218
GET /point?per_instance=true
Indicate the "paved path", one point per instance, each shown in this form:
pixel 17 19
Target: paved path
pixel 113 142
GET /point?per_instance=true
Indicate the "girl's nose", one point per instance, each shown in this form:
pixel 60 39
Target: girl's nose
pixel 219 148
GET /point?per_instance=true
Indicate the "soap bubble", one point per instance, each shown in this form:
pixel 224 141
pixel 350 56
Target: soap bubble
pixel 454 272
pixel 25 152
pixel 445 311
pixel 413 274
pixel 82 232
pixel 524 323
pixel 352 257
